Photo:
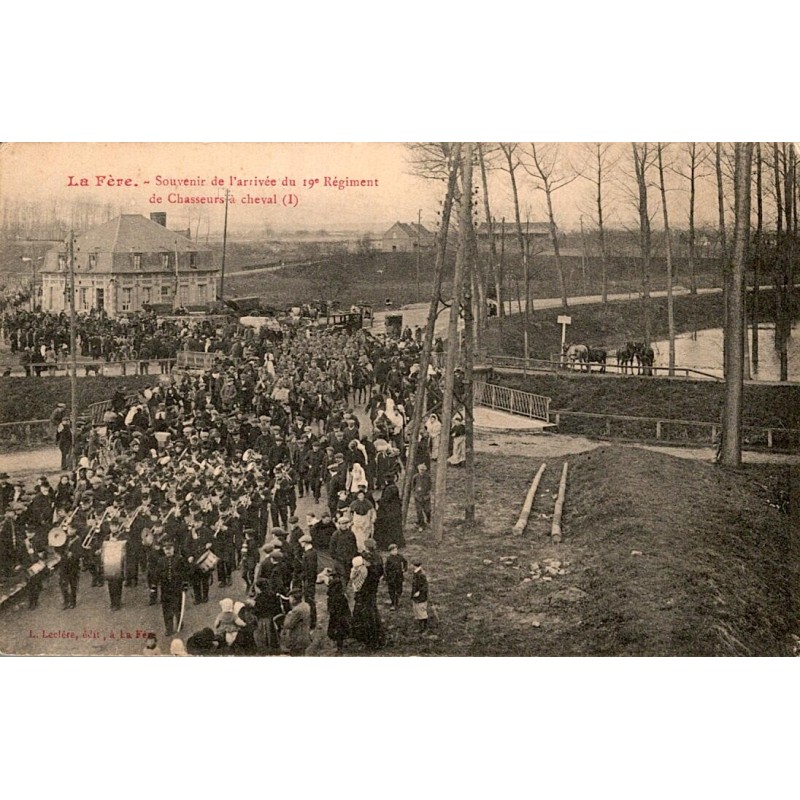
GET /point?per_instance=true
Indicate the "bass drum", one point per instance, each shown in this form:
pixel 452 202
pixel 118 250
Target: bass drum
pixel 57 537
pixel 112 555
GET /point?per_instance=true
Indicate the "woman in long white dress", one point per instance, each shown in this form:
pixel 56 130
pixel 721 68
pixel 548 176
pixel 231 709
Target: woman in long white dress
pixel 434 428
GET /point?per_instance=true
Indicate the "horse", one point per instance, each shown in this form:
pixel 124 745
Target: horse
pixel 577 353
pixel 625 357
pixel 597 355
pixel 646 358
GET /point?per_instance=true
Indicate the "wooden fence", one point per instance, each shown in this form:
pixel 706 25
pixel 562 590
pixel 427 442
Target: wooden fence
pixel 671 431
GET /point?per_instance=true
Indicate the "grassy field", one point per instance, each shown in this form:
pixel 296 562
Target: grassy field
pixel 35 398
pixel 660 557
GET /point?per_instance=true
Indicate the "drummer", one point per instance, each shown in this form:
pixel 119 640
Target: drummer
pixel 69 568
pixel 28 556
pixel 114 562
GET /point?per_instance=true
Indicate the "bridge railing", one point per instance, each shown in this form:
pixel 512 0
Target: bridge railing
pixel 513 401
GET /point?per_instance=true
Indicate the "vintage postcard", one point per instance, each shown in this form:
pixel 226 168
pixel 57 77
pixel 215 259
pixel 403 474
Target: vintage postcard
pixel 429 399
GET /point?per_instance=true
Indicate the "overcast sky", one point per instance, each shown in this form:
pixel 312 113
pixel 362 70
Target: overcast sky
pixel 41 172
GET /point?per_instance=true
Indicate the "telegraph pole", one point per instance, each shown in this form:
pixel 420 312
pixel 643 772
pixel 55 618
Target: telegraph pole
pixel 73 373
pixel 224 247
pixel 419 247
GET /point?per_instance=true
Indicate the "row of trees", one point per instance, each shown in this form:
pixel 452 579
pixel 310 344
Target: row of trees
pixel 657 185
pixel 739 170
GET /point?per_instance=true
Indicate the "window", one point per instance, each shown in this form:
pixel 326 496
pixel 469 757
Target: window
pixel 192 260
pixel 62 262
pixel 165 260
pixel 137 261
pixel 126 299
pixel 201 292
pixel 183 294
pixel 82 299
pixel 165 291
pixel 146 293
pixel 92 260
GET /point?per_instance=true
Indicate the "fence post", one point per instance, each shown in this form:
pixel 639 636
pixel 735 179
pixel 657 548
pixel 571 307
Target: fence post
pixel 658 429
pixel 713 433
pixel 769 438
pixel 28 435
pixel 608 426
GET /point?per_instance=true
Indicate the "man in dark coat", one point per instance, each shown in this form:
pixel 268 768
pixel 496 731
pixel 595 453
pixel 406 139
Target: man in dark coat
pixel 343 547
pixel 171 575
pixel 310 567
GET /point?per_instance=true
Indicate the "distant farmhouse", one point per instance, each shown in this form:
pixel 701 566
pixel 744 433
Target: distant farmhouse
pixel 405 237
pixel 128 262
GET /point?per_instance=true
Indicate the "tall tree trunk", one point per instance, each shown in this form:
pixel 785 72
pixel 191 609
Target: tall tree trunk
pixel 433 308
pixel 645 234
pixel 731 451
pixel 725 270
pixel 494 270
pixel 440 491
pixel 692 232
pixel 551 222
pixel 601 228
pixel 757 256
pixel 470 326
pixel 668 244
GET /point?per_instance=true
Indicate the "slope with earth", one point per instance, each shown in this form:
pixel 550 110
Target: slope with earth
pixel 712 577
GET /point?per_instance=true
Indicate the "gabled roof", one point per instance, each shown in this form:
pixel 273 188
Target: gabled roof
pixel 412 229
pixel 134 233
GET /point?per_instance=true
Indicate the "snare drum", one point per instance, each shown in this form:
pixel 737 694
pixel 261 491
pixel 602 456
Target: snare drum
pixel 112 554
pixel 34 569
pixel 207 561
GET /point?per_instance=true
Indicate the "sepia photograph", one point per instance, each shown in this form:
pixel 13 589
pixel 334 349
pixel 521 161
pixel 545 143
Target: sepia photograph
pixel 399 399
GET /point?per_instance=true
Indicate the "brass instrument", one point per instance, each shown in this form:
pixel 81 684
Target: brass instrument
pixel 88 540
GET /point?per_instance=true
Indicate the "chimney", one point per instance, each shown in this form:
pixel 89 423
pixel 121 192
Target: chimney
pixel 159 217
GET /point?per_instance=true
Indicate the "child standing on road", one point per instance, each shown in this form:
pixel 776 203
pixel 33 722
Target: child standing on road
pixel 419 595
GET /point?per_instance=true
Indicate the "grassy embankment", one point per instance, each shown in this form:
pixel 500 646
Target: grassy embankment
pixel 613 325
pixel 660 556
pixel 35 398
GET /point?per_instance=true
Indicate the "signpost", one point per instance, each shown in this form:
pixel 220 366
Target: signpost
pixel 563 321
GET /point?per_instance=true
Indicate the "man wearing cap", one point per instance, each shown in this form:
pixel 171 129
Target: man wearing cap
pixel 171 577
pixel 308 574
pixel 322 531
pixel 343 547
pixel 296 629
pixel 69 567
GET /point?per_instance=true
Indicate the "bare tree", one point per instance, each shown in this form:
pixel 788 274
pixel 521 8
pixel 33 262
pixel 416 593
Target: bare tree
pixel 601 158
pixel 462 257
pixel 452 157
pixel 495 270
pixel 552 172
pixel 642 162
pixel 731 450
pixel 512 164
pixel 668 246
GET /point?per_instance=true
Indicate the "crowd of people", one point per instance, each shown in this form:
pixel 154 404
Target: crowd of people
pixel 198 477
